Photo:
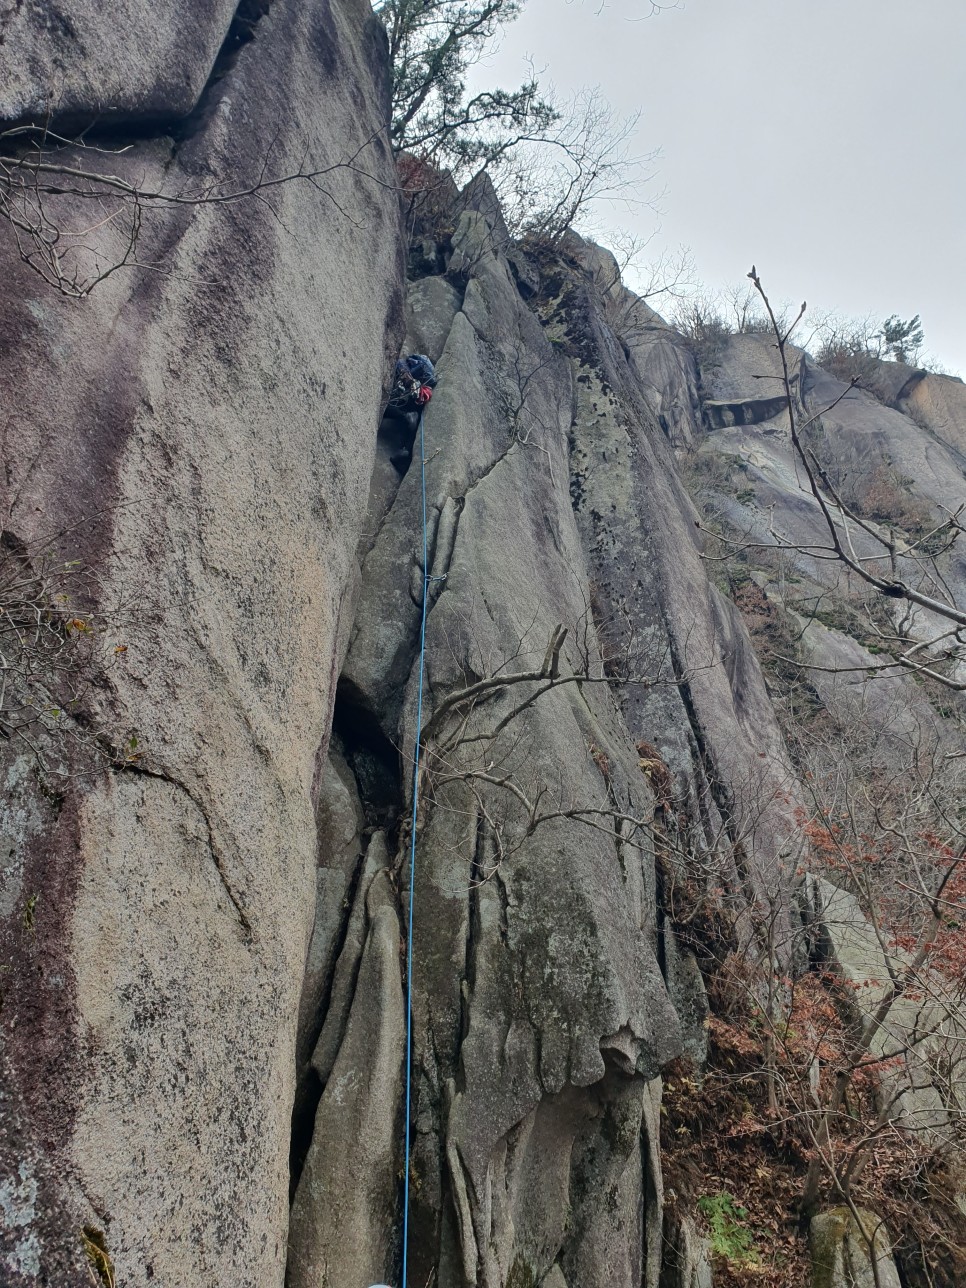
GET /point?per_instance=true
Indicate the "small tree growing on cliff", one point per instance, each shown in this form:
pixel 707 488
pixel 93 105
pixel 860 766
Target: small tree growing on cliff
pixel 549 160
pixel 901 340
pixel 432 45
pixel 855 348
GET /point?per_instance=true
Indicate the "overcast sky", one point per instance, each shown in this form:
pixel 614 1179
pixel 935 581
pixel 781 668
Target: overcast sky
pixel 825 142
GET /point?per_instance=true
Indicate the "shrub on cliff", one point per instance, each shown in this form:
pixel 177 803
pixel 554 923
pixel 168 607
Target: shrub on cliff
pixel 432 46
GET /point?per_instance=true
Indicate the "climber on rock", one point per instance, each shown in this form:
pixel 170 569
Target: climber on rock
pixel 412 389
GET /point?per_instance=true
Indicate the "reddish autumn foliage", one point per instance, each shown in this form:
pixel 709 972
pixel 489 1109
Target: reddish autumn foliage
pixel 912 885
pixel 720 1137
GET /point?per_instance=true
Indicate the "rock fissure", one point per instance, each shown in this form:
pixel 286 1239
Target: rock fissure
pixel 477 874
pixel 217 856
pixel 309 1093
pixel 241 32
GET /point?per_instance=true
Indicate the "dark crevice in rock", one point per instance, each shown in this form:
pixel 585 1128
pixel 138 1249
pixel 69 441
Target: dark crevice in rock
pixel 309 1090
pixel 307 1097
pixel 663 926
pixel 721 414
pixel 504 908
pixel 662 899
pixel 427 258
pixel 478 867
pixel 396 440
pixel 241 32
pixel 369 753
pixel 374 763
pixel 906 391
pixel 706 770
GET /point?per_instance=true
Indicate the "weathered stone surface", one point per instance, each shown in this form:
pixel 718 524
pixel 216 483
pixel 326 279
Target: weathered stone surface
pixel 903 474
pixel 148 63
pixel 206 439
pixel 916 1027
pixel 705 707
pixel 335 1238
pixel 842 1252
pixel 864 436
pixel 939 403
pixel 893 382
pixel 540 1010
pixel 687 1258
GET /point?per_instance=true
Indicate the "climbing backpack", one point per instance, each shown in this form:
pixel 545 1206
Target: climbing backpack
pixel 422 370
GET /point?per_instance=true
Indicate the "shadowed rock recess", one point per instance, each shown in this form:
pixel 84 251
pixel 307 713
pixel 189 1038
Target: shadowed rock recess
pixel 204 892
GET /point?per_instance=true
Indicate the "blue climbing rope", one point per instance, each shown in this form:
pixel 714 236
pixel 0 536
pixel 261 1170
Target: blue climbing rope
pixel 412 857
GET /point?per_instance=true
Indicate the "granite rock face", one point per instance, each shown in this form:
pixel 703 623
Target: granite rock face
pixel 897 459
pixel 149 63
pixel 550 984
pixel 202 438
pixel 204 893
pixel 549 987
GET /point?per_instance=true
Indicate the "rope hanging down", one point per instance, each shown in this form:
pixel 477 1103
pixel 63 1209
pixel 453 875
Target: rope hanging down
pixel 412 853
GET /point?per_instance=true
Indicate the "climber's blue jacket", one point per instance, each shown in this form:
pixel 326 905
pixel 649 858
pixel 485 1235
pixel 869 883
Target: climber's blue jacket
pixel 420 368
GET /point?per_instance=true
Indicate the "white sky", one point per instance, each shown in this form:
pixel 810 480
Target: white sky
pixel 825 142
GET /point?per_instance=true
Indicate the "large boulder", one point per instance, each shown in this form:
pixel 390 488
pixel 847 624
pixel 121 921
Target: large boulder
pixel 842 1251
pixel 200 433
